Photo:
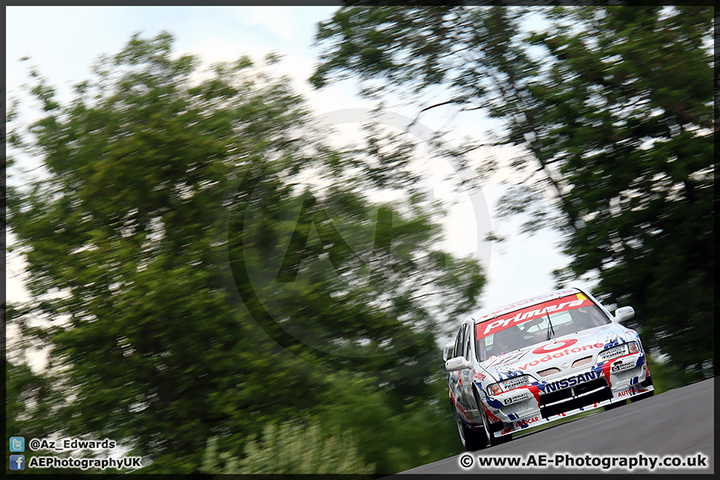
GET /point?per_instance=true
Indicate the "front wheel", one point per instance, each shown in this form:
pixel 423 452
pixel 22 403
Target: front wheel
pixel 614 405
pixel 491 439
pixel 642 396
pixel 471 439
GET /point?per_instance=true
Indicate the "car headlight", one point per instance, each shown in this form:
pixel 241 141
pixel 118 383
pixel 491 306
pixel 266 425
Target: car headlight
pixel 509 384
pixel 618 351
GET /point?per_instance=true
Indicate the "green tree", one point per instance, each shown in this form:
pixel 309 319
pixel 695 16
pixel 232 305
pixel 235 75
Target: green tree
pixel 613 109
pixel 201 264
pixel 26 403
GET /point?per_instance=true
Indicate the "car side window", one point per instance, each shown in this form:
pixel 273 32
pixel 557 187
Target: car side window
pixel 456 348
pixel 463 340
pixel 467 350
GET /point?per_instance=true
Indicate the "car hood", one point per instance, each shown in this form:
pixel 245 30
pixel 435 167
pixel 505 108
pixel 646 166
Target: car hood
pixel 560 352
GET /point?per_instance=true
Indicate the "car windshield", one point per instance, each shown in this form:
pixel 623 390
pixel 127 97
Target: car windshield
pixel 528 326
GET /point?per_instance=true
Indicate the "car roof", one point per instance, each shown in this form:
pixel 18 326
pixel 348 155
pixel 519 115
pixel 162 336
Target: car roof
pixel 526 303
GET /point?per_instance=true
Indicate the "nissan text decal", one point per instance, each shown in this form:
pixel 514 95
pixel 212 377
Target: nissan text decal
pixel 595 372
pixel 520 316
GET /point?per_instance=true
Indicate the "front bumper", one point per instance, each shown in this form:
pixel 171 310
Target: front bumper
pixel 542 402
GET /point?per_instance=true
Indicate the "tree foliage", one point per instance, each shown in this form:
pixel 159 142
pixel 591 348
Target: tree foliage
pixel 202 264
pixel 613 107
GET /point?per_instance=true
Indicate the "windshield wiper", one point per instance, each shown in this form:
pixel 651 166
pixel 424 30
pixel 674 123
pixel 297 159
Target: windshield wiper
pixel 550 326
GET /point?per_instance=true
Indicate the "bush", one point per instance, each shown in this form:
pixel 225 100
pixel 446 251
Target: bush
pixel 290 449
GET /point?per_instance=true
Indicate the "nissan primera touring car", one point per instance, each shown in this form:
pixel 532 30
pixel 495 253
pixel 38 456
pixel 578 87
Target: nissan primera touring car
pixel 539 360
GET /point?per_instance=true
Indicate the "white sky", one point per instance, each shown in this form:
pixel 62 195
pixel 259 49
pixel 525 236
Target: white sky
pixel 64 41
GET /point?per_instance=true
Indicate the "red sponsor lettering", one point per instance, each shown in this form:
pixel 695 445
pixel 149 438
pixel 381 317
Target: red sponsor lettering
pixel 626 393
pixel 528 421
pixel 551 347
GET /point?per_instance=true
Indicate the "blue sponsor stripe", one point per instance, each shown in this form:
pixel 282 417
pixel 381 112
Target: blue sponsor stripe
pixel 493 402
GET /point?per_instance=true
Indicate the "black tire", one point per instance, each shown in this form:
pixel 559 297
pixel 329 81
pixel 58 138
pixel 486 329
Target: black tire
pixel 642 396
pixel 645 383
pixel 615 405
pixel 491 439
pixel 471 440
pixel 487 427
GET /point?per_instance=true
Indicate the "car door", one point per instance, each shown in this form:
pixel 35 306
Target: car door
pixel 454 377
pixel 466 374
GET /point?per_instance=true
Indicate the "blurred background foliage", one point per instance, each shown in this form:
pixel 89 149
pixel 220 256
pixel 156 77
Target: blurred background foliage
pixel 203 265
pixel 613 110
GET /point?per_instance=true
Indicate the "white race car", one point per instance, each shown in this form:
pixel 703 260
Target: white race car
pixel 540 360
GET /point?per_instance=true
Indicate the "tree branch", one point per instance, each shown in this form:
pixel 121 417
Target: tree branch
pixel 430 107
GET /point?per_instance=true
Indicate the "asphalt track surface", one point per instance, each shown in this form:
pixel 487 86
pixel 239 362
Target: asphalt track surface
pixel 679 422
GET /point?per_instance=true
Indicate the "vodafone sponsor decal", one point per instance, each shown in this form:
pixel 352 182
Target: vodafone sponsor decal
pixel 551 347
pixel 565 344
pixel 490 327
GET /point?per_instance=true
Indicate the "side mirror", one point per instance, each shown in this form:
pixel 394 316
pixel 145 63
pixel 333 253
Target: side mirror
pixel 624 313
pixel 457 363
pixel 446 351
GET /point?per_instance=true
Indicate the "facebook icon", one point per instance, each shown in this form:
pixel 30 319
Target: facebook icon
pixel 17 462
